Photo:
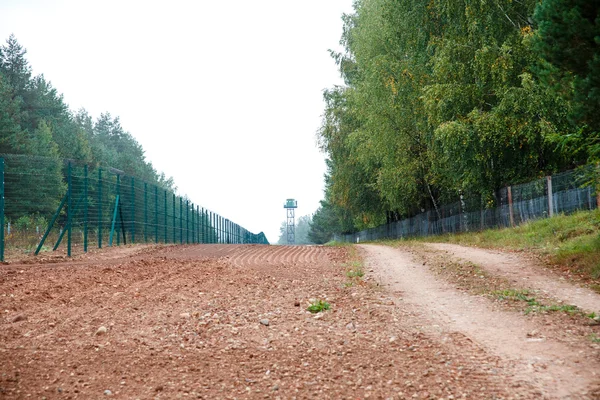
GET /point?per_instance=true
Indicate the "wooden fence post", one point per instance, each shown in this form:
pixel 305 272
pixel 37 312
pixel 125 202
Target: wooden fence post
pixel 510 207
pixel 550 197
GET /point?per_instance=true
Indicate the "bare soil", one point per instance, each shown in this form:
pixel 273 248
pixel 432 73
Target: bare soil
pixel 527 273
pixel 230 321
pixel 555 353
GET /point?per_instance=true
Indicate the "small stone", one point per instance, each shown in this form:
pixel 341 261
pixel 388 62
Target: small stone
pixel 265 322
pixel 533 333
pixel 18 318
pixel 158 388
pixel 107 392
pixel 350 326
pixel 296 303
pixel 185 315
pixel 101 331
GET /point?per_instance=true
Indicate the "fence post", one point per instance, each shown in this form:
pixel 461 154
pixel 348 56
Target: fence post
pixel 166 218
pixel 145 212
pixel 193 226
pixel 181 220
pixel 482 216
pixel 155 214
pixel 550 197
pixel 204 223
pixel 1 209
pixel 85 208
pixel 174 222
pixel 132 210
pixel 116 208
pixel 70 207
pixel 213 226
pixel 99 208
pixel 510 207
pixel 187 222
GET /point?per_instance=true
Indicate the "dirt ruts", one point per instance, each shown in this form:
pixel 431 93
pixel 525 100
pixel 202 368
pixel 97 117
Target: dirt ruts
pixel 529 351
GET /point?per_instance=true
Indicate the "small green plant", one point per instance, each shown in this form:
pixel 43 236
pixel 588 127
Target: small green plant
pixel 594 338
pixel 592 315
pixel 355 270
pixel 535 306
pixel 318 306
pixel 515 295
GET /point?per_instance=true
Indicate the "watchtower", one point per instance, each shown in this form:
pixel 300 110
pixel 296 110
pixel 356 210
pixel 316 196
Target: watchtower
pixel 290 206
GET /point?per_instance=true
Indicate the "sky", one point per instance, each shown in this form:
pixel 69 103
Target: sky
pixel 224 96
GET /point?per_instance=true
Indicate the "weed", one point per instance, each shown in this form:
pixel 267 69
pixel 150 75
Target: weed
pixel 355 270
pixel 354 267
pixel 318 306
pixel 566 308
pixel 515 295
pixel 535 306
pixel 594 338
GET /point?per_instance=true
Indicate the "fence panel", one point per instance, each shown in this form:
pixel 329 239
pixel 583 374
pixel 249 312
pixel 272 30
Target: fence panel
pixel 47 203
pixel 563 193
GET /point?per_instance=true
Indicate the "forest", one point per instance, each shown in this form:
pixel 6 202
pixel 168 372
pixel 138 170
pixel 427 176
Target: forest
pixel 444 99
pixel 35 121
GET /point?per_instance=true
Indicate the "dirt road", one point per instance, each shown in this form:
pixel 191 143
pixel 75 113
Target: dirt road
pixel 230 321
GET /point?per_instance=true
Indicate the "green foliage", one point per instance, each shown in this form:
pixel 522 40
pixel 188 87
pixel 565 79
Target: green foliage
pixel 445 98
pixel 35 120
pixel 318 306
pixel 30 222
pixel 37 125
pixel 567 39
pixel 328 220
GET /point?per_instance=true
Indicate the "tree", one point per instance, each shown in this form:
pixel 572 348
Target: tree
pixel 12 137
pixel 568 39
pixel 302 228
pixel 15 66
pixel 441 100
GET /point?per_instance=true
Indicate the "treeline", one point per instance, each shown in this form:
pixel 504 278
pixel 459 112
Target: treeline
pixel 444 99
pixel 34 120
pixel 302 231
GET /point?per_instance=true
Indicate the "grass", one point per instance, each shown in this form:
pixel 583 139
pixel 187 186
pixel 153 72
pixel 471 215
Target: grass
pixel 318 306
pixel 354 267
pixel 568 240
pixel 535 306
pixel 334 243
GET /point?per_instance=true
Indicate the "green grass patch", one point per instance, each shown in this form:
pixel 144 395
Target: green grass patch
pixel 534 305
pixel 318 306
pixel 568 240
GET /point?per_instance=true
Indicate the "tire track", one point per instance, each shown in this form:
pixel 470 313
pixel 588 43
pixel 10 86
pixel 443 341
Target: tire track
pixel 525 274
pixel 557 370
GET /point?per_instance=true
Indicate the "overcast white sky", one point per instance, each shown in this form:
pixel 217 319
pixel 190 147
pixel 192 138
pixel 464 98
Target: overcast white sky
pixel 225 96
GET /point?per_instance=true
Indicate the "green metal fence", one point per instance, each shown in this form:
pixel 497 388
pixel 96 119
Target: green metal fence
pixel 48 203
pixel 562 193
